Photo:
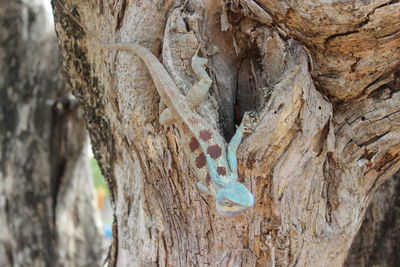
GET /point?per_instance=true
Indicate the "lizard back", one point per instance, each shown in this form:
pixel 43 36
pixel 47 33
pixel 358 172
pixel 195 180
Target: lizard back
pixel 202 140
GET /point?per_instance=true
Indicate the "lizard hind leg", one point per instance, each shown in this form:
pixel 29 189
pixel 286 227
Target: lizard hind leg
pixel 199 91
pixel 196 94
pixel 203 188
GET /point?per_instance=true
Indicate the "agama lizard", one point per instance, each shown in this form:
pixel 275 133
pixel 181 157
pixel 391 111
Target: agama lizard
pixel 214 163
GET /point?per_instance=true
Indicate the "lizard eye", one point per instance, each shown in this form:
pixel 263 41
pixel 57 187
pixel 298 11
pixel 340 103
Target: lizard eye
pixel 228 202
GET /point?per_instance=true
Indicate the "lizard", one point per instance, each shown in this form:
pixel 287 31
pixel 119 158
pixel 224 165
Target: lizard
pixel 214 163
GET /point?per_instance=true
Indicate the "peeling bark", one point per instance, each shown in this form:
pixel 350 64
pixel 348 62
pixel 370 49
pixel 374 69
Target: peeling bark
pixel 353 43
pixel 326 93
pixel 47 217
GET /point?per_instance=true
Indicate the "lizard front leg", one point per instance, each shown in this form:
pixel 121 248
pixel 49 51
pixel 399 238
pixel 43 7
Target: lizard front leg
pixel 234 144
pixel 196 94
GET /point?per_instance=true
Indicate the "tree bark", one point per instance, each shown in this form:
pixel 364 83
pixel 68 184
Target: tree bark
pixel 321 77
pixel 47 217
pixel 378 241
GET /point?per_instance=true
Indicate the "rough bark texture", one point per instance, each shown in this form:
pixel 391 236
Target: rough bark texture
pixel 320 74
pixel 47 212
pixel 378 241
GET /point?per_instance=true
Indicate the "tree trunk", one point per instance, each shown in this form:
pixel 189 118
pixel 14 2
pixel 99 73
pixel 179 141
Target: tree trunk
pixel 47 217
pixel 321 77
pixel 378 241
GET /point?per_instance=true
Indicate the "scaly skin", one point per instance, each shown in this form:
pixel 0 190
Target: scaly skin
pixel 206 148
pixel 212 161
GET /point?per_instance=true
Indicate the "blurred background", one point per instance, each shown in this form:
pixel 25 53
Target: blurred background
pixel 54 204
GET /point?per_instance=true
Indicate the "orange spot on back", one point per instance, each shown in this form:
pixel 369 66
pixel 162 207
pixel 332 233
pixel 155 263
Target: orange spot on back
pixel 200 161
pixel 221 170
pixel 193 120
pixel 205 135
pixel 214 151
pixel 194 144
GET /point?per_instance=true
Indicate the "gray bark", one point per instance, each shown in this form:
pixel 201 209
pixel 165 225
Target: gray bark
pixel 47 212
pixel 321 77
pixel 378 241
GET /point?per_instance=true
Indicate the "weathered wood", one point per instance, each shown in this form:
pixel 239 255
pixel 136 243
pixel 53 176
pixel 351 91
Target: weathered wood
pixel 354 43
pixel 47 218
pixel 319 149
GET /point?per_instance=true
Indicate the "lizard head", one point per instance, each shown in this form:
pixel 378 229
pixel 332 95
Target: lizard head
pixel 233 199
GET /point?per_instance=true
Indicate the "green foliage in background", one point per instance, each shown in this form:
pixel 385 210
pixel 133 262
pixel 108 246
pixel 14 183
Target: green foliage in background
pixel 99 181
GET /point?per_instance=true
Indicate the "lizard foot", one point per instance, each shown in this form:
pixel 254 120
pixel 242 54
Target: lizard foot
pixel 198 62
pixel 203 188
pixel 248 122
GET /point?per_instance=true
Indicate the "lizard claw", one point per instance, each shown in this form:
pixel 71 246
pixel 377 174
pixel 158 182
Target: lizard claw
pixel 199 61
pixel 244 129
pixel 204 189
pixel 197 50
pixel 247 130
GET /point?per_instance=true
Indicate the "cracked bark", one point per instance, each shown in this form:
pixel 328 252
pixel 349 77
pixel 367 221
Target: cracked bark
pixel 47 217
pixel 327 134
